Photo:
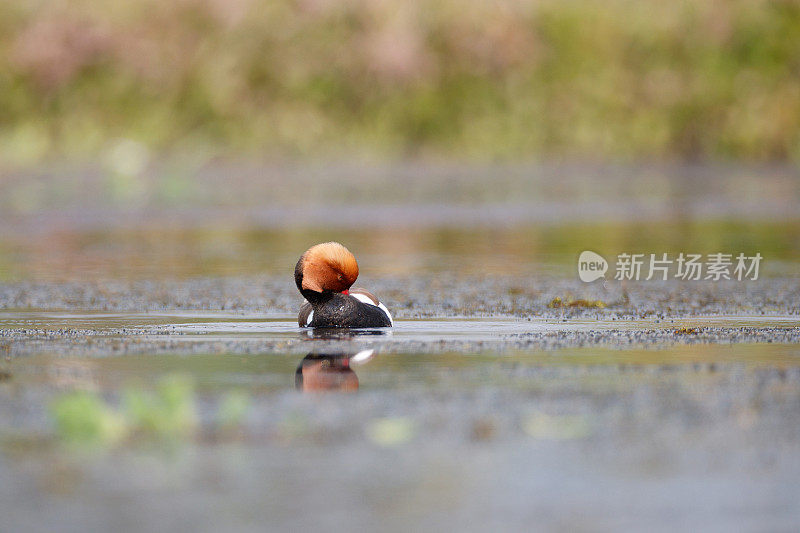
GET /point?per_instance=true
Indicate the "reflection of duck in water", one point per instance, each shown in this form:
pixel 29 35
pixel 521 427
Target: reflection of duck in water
pixel 329 371
pixel 323 276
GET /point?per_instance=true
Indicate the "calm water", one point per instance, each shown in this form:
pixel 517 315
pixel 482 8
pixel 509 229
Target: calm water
pixel 681 435
pixel 275 370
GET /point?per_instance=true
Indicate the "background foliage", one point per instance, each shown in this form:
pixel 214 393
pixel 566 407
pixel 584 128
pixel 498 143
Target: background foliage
pixel 512 79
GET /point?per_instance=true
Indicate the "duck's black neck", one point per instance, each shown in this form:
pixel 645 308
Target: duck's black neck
pixel 316 298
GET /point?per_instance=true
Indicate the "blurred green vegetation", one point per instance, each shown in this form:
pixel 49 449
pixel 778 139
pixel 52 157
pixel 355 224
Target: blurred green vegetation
pixel 169 413
pixel 84 419
pixel 456 78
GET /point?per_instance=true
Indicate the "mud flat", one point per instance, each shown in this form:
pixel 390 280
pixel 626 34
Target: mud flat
pixel 467 314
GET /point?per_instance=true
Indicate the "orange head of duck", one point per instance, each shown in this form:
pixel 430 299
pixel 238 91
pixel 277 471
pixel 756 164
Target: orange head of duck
pixel 326 267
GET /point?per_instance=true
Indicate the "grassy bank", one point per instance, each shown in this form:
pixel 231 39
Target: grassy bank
pixel 515 79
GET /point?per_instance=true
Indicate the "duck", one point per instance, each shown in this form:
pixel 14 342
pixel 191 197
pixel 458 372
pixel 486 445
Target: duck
pixel 324 275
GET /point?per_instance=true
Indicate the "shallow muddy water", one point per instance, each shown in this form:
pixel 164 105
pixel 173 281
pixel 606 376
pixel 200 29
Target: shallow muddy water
pixel 267 325
pixel 412 433
pixel 583 437
pixel 397 356
pixel 381 371
pixel 271 333
pixel 508 396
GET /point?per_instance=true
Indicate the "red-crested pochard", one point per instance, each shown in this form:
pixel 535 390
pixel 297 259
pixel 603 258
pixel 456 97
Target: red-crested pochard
pixel 324 275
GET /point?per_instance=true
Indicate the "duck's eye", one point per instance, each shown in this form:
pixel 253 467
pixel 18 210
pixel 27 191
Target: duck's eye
pixel 339 276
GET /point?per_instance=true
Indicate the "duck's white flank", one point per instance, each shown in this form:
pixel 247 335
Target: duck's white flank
pixel 367 300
